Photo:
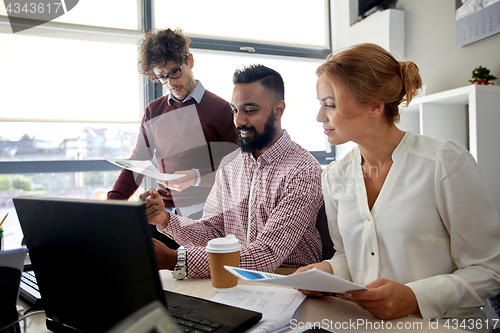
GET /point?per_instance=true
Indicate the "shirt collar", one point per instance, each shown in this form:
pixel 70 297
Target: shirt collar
pixel 276 151
pixel 197 94
pixel 400 147
pixel 407 138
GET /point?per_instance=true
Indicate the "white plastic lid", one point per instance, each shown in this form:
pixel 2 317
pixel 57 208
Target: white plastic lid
pixel 224 244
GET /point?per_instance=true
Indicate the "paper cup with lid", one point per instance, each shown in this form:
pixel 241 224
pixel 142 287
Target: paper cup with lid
pixel 223 251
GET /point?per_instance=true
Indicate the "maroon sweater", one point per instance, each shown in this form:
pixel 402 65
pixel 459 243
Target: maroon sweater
pixel 176 142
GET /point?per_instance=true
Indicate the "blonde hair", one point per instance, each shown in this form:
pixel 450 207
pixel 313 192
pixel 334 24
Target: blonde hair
pixel 368 73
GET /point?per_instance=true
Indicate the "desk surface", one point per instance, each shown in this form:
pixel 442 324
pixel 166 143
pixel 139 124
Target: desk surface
pixel 331 313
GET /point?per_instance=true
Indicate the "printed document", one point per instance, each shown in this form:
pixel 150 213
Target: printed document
pixel 277 305
pixel 143 167
pixel 313 279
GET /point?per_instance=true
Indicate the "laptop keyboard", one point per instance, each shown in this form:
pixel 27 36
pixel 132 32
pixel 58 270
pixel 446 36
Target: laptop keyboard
pixel 29 286
pixel 195 325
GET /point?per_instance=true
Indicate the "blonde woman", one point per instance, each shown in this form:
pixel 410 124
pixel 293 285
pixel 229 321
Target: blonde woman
pixel 409 216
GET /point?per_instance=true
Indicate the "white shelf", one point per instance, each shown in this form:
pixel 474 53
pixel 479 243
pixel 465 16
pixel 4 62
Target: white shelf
pixel 469 115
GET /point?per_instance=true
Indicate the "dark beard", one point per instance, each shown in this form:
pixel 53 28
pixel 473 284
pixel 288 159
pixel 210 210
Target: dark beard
pixel 259 141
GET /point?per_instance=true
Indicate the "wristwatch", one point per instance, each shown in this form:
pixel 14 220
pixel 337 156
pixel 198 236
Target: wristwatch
pixel 180 269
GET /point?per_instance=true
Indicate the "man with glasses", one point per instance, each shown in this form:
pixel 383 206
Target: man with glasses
pixel 267 193
pixel 187 132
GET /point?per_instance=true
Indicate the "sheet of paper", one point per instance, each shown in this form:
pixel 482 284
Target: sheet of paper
pixel 277 305
pixel 313 279
pixel 143 167
pixel 13 258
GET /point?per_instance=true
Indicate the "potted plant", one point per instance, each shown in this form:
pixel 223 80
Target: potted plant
pixel 481 75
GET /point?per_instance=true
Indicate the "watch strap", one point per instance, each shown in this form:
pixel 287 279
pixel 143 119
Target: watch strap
pixel 180 269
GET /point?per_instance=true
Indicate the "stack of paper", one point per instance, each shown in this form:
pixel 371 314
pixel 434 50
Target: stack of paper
pixel 313 279
pixel 277 305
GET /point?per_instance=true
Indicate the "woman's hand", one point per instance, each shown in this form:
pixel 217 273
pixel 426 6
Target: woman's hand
pixel 385 299
pixel 322 266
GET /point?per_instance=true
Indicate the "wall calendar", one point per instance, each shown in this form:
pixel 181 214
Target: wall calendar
pixel 476 19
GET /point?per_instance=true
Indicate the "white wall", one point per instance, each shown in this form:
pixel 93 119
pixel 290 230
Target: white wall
pixel 385 28
pixel 430 43
pixel 429 27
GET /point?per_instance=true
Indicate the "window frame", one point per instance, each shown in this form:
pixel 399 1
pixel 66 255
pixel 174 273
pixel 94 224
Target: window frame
pixel 219 44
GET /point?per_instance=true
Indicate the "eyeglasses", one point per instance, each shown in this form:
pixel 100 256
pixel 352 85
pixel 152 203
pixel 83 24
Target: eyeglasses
pixel 174 74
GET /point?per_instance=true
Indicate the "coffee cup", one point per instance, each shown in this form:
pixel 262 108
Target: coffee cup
pixel 223 251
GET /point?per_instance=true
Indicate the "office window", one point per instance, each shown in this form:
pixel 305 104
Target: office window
pixel 67 80
pixel 35 141
pixel 292 22
pixel 215 71
pixel 62 94
pixel 119 14
pixel 278 27
pixel 71 95
pixel 64 99
pixel 285 35
pixel 78 185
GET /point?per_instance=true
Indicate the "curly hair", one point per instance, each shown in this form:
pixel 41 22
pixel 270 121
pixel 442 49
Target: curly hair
pixel 368 73
pixel 160 47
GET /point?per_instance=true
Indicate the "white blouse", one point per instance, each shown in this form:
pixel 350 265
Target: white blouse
pixel 433 226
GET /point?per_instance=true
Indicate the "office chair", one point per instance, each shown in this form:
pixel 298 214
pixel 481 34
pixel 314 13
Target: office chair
pixel 9 289
pixel 326 241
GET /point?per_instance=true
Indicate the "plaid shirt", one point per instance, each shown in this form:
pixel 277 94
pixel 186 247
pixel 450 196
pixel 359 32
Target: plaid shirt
pixel 285 183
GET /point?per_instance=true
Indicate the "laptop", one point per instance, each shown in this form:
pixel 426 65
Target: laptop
pixel 95 265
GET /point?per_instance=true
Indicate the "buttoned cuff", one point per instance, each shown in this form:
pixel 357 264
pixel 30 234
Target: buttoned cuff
pixel 436 296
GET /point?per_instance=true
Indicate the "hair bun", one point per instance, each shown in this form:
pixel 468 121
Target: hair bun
pixel 412 81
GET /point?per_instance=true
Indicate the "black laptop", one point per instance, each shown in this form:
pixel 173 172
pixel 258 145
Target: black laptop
pixel 95 265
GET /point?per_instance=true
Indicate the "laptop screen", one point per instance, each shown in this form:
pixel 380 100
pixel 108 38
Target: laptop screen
pixel 94 260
